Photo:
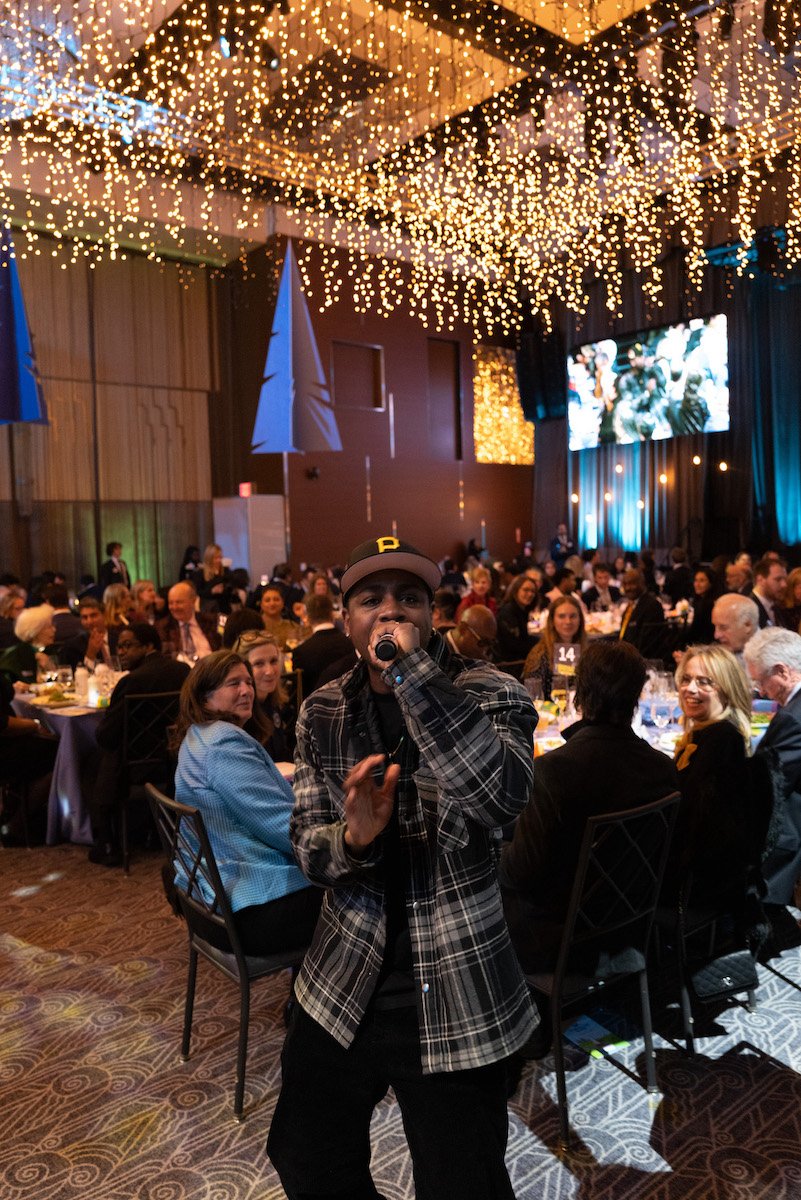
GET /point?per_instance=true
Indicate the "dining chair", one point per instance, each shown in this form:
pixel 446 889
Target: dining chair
pixel 715 949
pixel 206 908
pixel 608 924
pixel 146 757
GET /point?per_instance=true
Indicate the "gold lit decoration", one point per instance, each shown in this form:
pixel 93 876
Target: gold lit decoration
pixel 468 168
pixel 501 434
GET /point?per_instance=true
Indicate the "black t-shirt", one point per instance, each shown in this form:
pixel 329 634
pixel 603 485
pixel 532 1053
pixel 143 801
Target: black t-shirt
pixel 395 987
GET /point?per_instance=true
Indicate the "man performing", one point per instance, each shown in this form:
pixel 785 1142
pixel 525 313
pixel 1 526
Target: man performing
pixel 406 769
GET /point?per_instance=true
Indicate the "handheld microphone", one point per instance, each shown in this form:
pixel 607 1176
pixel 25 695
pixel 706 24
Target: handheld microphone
pixel 386 648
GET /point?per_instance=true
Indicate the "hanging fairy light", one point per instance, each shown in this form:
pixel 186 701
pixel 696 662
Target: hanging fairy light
pixel 122 120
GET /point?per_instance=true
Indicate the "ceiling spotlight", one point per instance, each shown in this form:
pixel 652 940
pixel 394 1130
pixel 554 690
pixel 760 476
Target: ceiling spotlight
pixel 696 460
pixel 663 478
pixel 641 505
pixel 607 496
pixel 574 498
pixel 618 468
pixel 723 466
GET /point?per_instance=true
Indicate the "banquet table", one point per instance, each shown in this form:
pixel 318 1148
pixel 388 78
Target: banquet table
pixel 67 814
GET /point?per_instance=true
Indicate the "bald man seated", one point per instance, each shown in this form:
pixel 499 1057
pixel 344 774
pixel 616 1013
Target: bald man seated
pixel 474 635
pixel 736 620
pixel 185 631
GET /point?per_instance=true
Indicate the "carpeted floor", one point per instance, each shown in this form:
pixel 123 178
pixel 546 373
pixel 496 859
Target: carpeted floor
pixel 94 1102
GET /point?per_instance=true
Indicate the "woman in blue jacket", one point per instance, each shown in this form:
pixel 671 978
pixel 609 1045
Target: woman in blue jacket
pixel 246 805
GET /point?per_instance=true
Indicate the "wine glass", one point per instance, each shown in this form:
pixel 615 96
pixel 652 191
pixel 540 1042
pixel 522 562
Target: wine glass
pixel 559 693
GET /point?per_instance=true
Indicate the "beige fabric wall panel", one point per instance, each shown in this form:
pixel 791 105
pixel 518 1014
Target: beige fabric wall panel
pixel 55 293
pixel 153 444
pixel 152 325
pixel 59 458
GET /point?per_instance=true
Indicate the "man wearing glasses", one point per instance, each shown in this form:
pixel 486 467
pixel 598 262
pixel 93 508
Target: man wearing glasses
pixel 474 636
pixel 773 659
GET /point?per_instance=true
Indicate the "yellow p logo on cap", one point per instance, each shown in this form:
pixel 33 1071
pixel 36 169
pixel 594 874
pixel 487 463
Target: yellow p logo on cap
pixel 386 543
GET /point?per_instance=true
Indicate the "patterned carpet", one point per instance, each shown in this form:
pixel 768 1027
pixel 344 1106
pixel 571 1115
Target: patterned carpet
pixel 95 1104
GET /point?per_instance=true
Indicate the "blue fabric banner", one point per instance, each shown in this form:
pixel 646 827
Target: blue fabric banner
pixel 21 397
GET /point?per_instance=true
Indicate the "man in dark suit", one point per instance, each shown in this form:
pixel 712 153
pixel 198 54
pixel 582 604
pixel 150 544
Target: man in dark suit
pixel 326 645
pixel 185 631
pixel 139 648
pixel 770 583
pixel 114 570
pixel 97 643
pixel 601 596
pixel 679 579
pixel 773 659
pixel 643 622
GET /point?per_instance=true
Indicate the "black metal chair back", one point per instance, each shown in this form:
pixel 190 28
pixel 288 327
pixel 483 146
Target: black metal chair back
pixel 212 931
pixel 609 918
pixel 616 890
pixel 147 718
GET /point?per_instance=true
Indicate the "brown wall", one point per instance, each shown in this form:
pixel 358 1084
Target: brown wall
pixel 420 487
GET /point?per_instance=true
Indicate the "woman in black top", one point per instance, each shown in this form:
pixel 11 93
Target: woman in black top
pixel 712 837
pixel 513 641
pixel 705 593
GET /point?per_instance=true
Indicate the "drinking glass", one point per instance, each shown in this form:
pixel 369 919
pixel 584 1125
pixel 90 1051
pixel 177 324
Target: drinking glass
pixel 64 678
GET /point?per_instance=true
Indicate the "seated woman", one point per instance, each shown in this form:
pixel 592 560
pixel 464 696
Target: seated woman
pixel 118 608
pixel 705 592
pixel 143 602
pixel 246 806
pixel 565 624
pixel 33 630
pixel 262 651
pixel 712 837
pixel 513 640
pixel 480 586
pixel 11 605
pixel 271 607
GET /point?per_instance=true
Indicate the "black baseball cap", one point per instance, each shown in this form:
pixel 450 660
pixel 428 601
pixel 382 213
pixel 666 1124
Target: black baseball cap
pixel 389 554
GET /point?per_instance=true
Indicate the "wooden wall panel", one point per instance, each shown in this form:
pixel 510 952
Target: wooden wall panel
pixel 55 293
pixel 153 444
pixel 152 325
pixel 58 459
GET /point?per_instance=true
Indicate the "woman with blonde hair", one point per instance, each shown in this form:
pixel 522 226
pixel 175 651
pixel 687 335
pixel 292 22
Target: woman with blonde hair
pixel 212 581
pixel 716 812
pixel 262 652
pixel 117 606
pixel 143 601
pixel 565 623
pixel 11 605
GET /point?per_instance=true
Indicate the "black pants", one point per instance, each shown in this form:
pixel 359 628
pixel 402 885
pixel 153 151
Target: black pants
pixel 283 924
pixel 455 1122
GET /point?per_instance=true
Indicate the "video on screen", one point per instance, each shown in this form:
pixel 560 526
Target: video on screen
pixel 658 383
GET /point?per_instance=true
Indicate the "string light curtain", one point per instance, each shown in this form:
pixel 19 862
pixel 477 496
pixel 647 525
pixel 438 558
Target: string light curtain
pixel 118 120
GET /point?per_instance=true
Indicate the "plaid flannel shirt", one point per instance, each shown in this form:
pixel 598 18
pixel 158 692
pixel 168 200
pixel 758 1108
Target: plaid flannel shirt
pixel 468 772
